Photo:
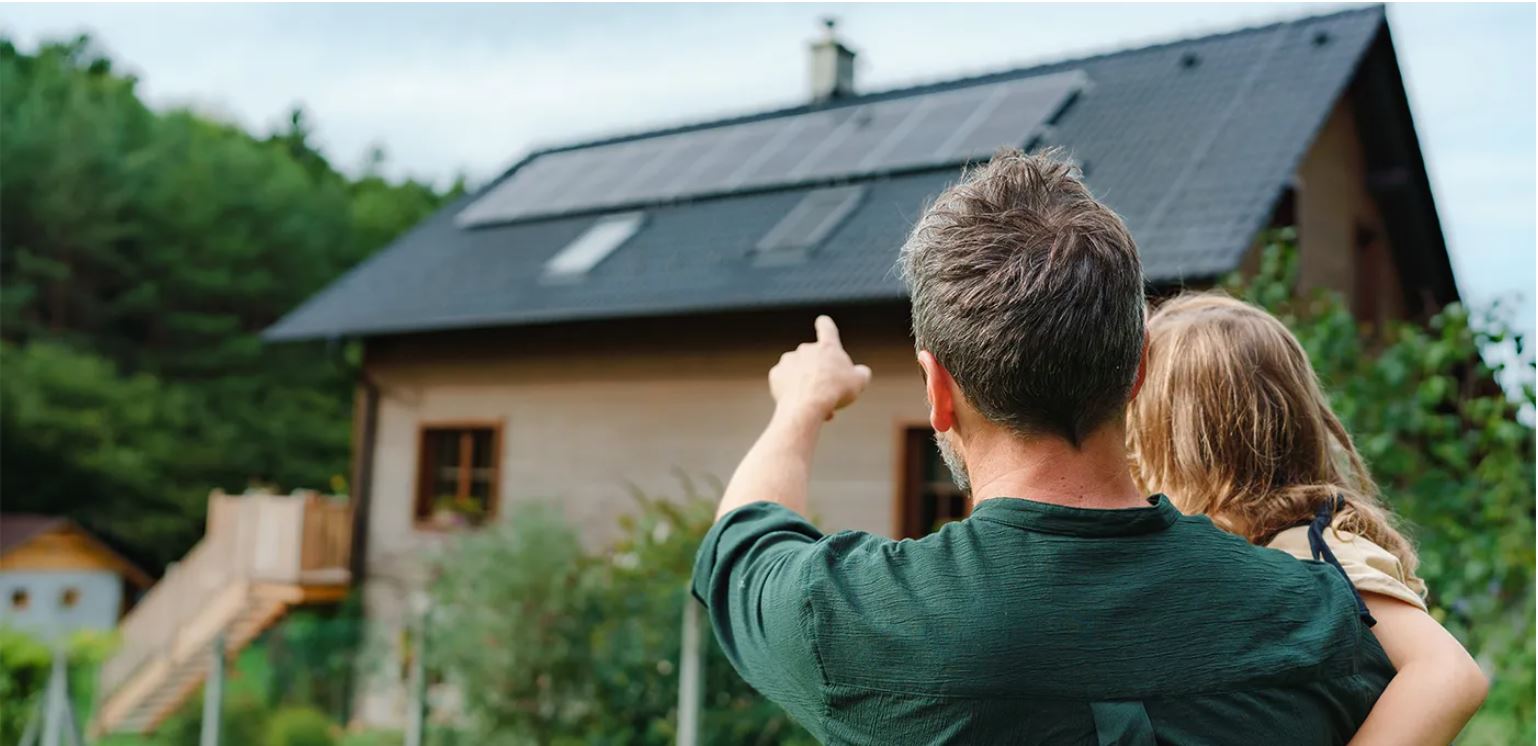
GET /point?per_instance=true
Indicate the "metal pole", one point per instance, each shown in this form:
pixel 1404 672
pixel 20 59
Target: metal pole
pixel 213 694
pixel 56 710
pixel 691 688
pixel 29 736
pixel 416 710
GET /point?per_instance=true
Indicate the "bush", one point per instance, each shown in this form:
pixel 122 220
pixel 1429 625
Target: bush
pixel 311 656
pixel 25 664
pixel 300 726
pixel 243 720
pixel 373 738
pixel 554 645
pixel 510 620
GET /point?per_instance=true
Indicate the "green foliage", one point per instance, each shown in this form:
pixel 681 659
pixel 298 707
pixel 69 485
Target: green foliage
pixel 372 738
pixel 511 610
pixel 551 644
pixel 141 254
pixel 25 665
pixel 300 726
pixel 1452 457
pixel 243 721
pixel 311 656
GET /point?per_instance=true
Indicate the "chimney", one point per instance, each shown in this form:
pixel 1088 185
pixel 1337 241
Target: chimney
pixel 832 65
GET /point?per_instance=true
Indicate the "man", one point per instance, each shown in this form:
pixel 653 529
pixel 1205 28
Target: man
pixel 1068 608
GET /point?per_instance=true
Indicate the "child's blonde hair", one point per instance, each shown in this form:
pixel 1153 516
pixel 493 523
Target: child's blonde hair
pixel 1231 423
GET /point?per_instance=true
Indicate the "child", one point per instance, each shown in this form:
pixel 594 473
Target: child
pixel 1231 423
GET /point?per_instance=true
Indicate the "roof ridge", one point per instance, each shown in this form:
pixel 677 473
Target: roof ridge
pixel 907 89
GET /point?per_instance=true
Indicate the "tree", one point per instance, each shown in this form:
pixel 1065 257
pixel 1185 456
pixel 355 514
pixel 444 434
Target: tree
pixel 142 252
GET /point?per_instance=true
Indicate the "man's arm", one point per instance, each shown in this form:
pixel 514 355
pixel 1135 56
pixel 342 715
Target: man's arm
pixel 809 384
pixel 753 569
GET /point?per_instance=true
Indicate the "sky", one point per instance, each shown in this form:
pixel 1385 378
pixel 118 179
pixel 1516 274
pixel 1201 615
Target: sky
pixel 466 89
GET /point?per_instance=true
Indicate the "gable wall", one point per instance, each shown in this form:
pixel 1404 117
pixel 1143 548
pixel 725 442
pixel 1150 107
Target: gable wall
pixel 1332 205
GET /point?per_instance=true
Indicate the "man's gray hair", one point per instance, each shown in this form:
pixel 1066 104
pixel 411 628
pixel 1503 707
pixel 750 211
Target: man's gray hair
pixel 1030 292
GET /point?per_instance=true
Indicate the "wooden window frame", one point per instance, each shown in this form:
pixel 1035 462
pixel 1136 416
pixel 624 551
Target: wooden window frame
pixel 907 476
pixel 421 508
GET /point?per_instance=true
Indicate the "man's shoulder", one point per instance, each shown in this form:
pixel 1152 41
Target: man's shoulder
pixel 1191 609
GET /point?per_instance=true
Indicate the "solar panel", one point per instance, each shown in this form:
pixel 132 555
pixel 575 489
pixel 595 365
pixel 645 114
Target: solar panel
pixel 921 130
pixel 807 224
pixel 740 148
pixel 691 151
pixel 1021 113
pixel 612 164
pixel 780 166
pixel 667 153
pixel 867 130
pixel 932 125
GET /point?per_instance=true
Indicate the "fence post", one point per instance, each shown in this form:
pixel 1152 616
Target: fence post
pixel 58 715
pixel 416 708
pixel 691 689
pixel 213 695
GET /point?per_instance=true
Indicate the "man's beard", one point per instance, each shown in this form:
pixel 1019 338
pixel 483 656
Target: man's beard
pixel 953 461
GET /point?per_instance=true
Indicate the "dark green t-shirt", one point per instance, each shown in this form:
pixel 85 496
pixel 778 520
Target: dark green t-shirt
pixel 1033 623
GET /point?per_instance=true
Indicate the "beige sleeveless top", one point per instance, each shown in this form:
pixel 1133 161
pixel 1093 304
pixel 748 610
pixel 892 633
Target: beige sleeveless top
pixel 1371 568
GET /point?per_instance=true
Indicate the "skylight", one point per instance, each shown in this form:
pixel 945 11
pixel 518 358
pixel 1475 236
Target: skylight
pixel 593 246
pixel 806 225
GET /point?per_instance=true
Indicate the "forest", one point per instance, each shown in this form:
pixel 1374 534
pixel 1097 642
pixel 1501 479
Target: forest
pixel 142 252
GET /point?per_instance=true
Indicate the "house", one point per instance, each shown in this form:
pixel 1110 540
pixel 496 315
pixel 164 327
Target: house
pixel 603 314
pixel 57 578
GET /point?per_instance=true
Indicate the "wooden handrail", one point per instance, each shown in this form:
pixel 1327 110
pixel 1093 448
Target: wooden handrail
pixel 254 538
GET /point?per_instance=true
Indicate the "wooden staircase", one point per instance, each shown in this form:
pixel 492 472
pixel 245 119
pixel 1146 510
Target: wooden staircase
pixel 261 556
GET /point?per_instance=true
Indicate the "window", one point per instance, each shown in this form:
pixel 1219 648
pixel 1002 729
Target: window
pixel 69 598
pixel 1285 213
pixel 457 475
pixel 19 599
pixel 930 498
pixel 801 230
pixel 593 246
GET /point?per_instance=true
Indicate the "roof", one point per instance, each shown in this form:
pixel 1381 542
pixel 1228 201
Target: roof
pixel 19 529
pixel 1192 142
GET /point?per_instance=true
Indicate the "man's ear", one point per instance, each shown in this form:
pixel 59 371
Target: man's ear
pixel 940 387
pixel 1142 368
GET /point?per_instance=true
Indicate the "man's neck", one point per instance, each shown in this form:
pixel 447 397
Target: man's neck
pixel 1049 470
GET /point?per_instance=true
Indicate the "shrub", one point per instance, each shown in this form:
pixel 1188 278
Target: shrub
pixel 1453 455
pixel 511 614
pixel 372 738
pixel 243 720
pixel 300 726
pixel 554 645
pixel 25 664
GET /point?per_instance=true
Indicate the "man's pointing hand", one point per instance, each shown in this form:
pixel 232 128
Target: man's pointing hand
pixel 818 377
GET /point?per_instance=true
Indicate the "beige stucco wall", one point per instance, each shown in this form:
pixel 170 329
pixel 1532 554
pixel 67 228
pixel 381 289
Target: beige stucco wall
pixel 581 422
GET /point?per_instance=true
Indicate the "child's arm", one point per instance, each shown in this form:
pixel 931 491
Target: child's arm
pixel 1437 689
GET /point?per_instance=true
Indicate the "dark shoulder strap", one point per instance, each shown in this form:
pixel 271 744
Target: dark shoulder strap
pixel 1321 550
